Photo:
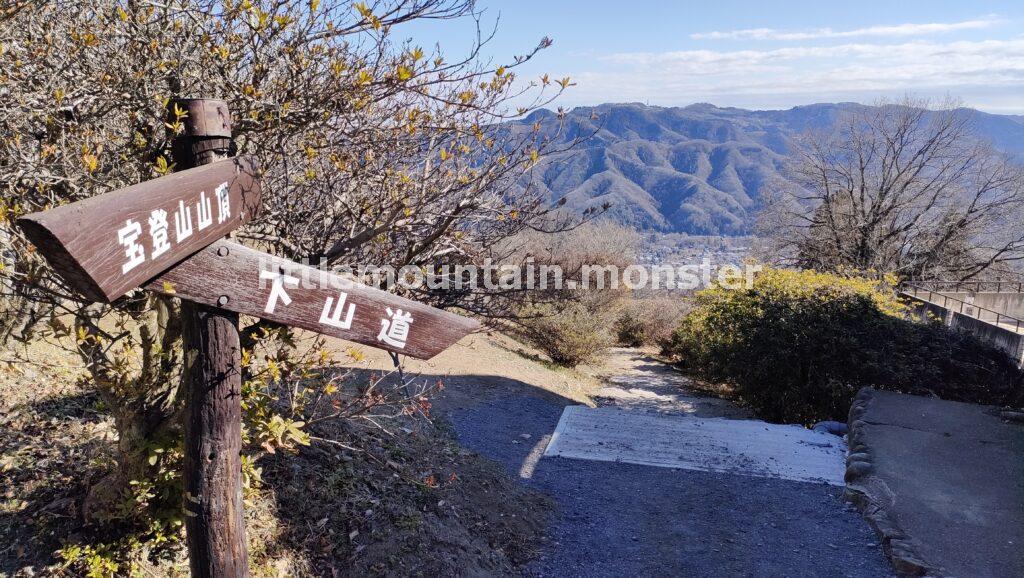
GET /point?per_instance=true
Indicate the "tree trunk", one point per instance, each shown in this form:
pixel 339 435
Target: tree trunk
pixel 145 410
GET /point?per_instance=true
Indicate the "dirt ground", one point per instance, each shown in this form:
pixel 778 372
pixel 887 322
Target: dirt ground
pixel 415 503
pixel 493 362
pixel 465 493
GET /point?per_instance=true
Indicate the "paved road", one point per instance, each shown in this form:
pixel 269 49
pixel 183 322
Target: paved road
pixel 619 519
pixel 961 513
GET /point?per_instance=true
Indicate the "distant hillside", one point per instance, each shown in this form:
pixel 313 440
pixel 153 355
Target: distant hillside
pixel 696 170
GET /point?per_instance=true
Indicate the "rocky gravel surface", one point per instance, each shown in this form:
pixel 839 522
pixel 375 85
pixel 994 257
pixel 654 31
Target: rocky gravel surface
pixel 618 519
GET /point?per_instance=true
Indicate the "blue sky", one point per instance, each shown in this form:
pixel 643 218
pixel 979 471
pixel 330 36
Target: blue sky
pixel 762 54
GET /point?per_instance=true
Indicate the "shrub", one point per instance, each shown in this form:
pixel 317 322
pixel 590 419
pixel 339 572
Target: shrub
pixel 798 345
pixel 629 328
pixel 573 335
pixel 374 123
pixel 573 324
pixel 648 321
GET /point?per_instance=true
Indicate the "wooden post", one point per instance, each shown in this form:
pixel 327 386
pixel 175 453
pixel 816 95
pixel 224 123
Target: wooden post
pixel 99 248
pixel 214 524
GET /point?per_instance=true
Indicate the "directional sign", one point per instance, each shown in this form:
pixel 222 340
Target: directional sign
pixel 240 279
pixel 106 245
pixel 167 236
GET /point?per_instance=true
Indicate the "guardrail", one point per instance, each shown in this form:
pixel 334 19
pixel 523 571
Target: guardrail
pixel 971 286
pixel 959 305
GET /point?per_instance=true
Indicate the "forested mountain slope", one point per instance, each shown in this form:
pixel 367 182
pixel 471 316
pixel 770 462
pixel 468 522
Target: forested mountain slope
pixel 698 169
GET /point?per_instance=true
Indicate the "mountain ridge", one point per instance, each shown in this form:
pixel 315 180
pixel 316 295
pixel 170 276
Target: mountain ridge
pixel 699 169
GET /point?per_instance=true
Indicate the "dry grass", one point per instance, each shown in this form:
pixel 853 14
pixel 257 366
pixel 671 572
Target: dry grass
pixel 53 444
pixel 490 355
pixel 414 504
pixel 404 504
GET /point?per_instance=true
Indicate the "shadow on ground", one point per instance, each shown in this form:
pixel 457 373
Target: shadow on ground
pixel 411 502
pixel 617 519
pixel 611 519
pixel 48 449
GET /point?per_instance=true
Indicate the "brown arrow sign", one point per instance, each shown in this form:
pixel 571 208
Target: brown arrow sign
pixel 106 245
pixel 240 279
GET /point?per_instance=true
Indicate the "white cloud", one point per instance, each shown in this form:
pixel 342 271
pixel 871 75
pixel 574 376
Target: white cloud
pixel 913 62
pixel 900 30
pixel 993 69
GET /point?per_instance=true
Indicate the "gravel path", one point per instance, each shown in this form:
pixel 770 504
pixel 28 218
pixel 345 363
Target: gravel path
pixel 618 519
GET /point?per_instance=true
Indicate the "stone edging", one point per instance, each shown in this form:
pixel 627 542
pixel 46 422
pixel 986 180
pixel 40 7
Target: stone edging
pixel 870 495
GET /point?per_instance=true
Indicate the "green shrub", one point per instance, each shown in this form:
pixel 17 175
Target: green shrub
pixel 629 329
pixel 798 345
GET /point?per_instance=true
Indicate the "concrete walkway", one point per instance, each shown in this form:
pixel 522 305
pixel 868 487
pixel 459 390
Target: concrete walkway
pixel 623 519
pixel 733 446
pixel 677 428
pixel 942 482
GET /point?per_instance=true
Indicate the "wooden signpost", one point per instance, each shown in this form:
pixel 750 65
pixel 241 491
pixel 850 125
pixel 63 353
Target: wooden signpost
pixel 107 245
pixel 166 235
pixel 234 277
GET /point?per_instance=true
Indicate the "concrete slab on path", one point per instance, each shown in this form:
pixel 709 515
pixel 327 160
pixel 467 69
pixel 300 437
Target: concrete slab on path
pixel 744 447
pixel 942 482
